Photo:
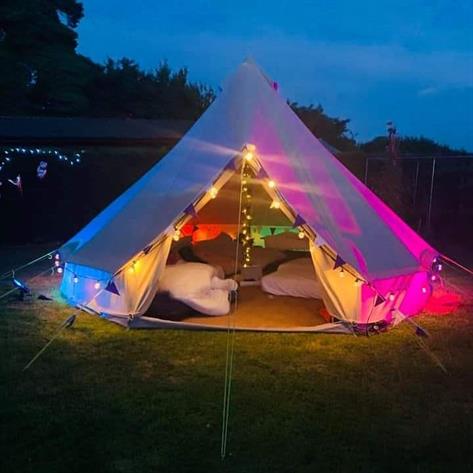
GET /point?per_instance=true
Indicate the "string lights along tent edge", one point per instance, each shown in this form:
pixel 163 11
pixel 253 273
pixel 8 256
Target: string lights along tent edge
pixel 392 266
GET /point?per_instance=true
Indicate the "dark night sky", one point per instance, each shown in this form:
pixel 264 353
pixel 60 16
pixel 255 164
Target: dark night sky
pixel 371 60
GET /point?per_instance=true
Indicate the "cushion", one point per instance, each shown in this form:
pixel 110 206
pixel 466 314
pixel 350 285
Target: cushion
pixel 221 252
pixel 286 241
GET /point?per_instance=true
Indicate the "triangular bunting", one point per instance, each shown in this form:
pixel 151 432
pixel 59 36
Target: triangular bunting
pixel 339 262
pixel 379 300
pixel 272 230
pixel 111 287
pixel 298 221
pixel 190 210
pixel 261 174
pixel 319 241
pixel 230 166
pixel 148 249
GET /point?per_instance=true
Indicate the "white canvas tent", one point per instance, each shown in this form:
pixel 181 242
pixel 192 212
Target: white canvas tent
pixel 113 265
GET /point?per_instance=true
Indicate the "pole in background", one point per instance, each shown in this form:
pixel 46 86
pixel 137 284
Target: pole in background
pixel 429 213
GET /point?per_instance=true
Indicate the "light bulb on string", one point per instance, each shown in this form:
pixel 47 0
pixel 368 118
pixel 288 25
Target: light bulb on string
pixel 97 285
pixel 301 234
pixel 391 296
pixel 59 270
pixel 275 204
pixel 213 192
pixel 271 184
pixel 75 279
pixel 177 235
pixel 132 267
pixel 341 273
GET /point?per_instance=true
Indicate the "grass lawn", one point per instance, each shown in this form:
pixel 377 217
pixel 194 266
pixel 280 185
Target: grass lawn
pixel 107 399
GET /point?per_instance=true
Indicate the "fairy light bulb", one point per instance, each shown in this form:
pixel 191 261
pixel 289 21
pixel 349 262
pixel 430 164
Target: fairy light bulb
pixel 301 235
pixel 177 235
pixel 97 285
pixel 213 192
pixel 57 257
pixel 271 184
pixel 59 270
pixel 358 282
pixel 342 273
pixel 132 267
pixel 424 290
pixel 75 279
pixel 248 216
pixel 275 204
pixel 57 263
pixel 248 156
pixel 391 296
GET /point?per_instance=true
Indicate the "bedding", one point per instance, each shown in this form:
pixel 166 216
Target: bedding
pixel 295 278
pixel 199 286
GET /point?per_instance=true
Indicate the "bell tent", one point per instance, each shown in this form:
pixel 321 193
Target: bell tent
pixel 250 153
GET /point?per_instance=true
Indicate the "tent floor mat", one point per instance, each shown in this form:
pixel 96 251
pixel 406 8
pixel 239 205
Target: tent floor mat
pixel 256 311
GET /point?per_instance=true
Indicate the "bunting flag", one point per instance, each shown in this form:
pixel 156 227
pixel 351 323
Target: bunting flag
pixel 339 262
pixel 261 174
pixel 299 221
pixel 379 300
pixel 272 230
pixel 275 86
pixel 148 249
pixel 319 241
pixel 111 287
pixel 231 166
pixel 190 210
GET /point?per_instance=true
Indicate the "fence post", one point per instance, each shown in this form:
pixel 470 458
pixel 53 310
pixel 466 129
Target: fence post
pixel 416 182
pixel 366 170
pixel 429 213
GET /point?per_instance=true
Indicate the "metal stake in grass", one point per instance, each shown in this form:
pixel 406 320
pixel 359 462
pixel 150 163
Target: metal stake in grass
pixel 66 324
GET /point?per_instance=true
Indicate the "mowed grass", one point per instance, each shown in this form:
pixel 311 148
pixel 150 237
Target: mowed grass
pixel 107 399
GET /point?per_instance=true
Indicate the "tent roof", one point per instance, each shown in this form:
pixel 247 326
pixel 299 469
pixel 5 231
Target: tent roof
pixel 353 221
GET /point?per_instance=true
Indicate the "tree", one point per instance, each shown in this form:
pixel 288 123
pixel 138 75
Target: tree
pixel 410 145
pixel 122 89
pixel 332 130
pixel 41 72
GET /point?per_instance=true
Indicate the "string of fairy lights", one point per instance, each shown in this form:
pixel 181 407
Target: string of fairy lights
pixel 8 155
pixel 246 214
pixel 252 171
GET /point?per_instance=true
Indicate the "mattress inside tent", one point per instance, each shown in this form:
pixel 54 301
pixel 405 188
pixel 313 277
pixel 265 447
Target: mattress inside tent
pixel 295 278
